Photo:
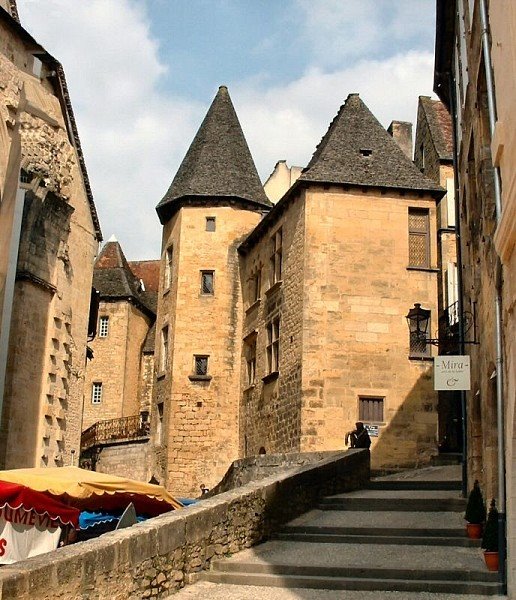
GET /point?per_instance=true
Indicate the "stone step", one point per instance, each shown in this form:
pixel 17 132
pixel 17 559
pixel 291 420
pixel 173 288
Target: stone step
pixel 401 504
pixel 456 586
pixel 448 524
pixel 354 538
pixel 379 484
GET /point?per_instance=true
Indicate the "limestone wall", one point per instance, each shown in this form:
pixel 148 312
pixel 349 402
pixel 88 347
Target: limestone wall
pixel 200 430
pixel 152 559
pixel 116 363
pixel 124 460
pixel 271 409
pixel 357 292
pixel 47 346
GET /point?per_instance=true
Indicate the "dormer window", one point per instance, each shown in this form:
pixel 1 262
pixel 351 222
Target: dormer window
pixel 366 151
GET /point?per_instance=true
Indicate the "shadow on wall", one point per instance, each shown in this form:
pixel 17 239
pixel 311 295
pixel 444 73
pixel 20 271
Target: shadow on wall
pixel 410 437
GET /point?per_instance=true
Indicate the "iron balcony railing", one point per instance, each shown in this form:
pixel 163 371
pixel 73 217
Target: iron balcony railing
pixel 114 430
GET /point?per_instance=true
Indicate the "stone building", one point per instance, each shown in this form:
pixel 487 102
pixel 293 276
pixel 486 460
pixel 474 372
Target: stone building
pixel 474 76
pixel 127 311
pixel 49 235
pixel 278 328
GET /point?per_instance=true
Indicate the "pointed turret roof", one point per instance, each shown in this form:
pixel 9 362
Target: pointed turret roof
pixel 218 163
pixel 113 278
pixel 357 150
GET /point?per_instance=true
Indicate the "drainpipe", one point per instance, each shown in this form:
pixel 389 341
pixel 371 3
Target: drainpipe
pixel 491 106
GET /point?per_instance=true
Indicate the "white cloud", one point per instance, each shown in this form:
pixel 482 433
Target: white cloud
pixel 134 134
pixel 287 122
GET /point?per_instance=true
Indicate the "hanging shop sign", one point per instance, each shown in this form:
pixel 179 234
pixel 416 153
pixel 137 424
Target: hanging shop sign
pixel 452 373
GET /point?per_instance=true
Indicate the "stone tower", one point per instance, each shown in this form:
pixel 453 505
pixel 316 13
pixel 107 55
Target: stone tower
pixel 214 202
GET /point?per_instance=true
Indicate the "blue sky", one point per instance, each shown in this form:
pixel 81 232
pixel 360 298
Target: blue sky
pixel 142 74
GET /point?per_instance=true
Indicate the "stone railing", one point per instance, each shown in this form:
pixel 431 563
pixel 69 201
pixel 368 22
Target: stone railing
pixel 155 558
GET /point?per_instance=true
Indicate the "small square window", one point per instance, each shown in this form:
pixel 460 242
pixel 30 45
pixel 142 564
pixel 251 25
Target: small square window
pixel 207 283
pixel 210 224
pixel 96 392
pixel 370 409
pixel 103 326
pixel 200 365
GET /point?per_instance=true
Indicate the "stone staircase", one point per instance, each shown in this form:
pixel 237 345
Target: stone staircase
pixel 402 534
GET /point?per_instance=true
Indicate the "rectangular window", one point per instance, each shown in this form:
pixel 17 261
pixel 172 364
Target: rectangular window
pixel 276 257
pixel 250 351
pixel 419 238
pixel 256 286
pixel 207 288
pixel 273 346
pixel 159 424
pixel 370 409
pixel 96 392
pixel 163 359
pixel 450 201
pixel 210 223
pixel 103 326
pixel 168 267
pixel 201 365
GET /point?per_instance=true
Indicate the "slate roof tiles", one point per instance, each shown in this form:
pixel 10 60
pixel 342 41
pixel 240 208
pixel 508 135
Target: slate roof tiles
pixel 440 125
pixel 218 162
pixel 357 150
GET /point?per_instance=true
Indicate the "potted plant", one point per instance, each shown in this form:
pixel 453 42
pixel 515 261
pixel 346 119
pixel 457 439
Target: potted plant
pixel 490 539
pixel 475 512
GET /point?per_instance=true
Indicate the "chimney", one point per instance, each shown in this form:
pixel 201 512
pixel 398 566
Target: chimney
pixel 401 132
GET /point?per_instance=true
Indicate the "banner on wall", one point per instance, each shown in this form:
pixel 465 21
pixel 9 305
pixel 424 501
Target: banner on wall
pixel 24 534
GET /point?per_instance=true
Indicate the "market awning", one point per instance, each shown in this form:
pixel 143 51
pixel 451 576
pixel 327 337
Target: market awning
pixel 89 490
pixel 25 506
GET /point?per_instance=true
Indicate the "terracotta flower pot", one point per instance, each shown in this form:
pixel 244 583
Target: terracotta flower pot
pixel 474 530
pixel 491 559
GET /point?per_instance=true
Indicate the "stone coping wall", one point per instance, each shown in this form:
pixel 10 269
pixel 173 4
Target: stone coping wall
pixel 254 468
pixel 155 558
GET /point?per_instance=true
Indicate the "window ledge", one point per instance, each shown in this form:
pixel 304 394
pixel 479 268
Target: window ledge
pixel 274 287
pixel 166 292
pixel 422 358
pixel 194 377
pixel 250 387
pixel 160 376
pixel 254 305
pixel 270 377
pixel 426 269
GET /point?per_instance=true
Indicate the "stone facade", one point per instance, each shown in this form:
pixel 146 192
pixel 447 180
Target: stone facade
pixel 49 235
pixel 303 329
pixel 343 336
pixel 198 435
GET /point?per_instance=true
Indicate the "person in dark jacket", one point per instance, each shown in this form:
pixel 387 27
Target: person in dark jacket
pixel 359 437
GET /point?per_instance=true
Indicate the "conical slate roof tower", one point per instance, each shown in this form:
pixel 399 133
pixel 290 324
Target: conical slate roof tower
pixel 357 150
pixel 218 164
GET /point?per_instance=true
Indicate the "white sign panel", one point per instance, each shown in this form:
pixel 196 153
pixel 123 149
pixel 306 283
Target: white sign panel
pixel 451 373
pixel 24 534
